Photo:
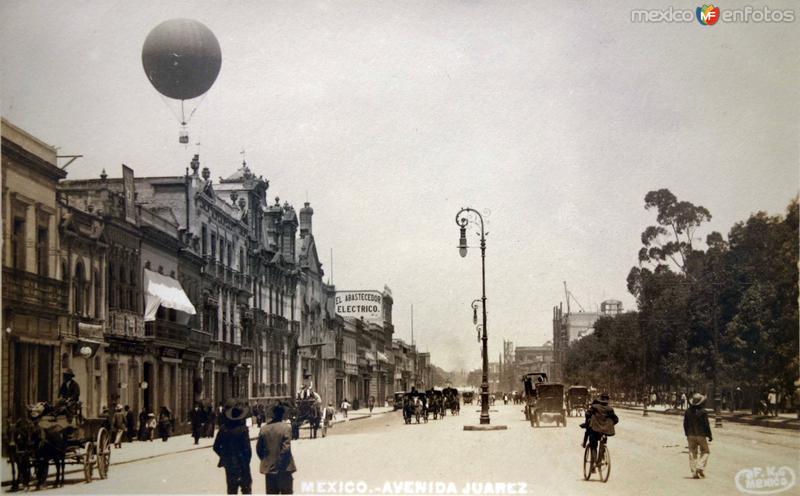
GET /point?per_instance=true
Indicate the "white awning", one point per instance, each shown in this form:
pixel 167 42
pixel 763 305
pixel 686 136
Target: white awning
pixel 382 357
pixel 162 290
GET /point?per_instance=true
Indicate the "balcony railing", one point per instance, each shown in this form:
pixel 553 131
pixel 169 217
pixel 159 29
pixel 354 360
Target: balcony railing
pixel 199 340
pixel 27 289
pixel 248 356
pixel 221 350
pixel 168 332
pixel 125 323
pixel 227 275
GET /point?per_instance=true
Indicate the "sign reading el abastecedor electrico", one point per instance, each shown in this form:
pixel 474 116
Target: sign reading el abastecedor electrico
pixel 358 304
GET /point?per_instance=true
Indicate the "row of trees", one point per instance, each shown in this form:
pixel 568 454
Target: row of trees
pixel 735 300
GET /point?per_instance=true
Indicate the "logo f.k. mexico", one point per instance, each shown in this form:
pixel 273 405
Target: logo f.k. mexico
pixel 707 15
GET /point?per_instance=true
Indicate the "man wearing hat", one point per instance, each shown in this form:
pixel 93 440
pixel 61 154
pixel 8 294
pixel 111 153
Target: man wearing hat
pixel 274 448
pixel 600 420
pixel 233 447
pixel 69 394
pixel 697 430
pixel 69 389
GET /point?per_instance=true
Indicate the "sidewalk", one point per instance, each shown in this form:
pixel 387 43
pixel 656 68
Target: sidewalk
pixel 144 450
pixel 782 421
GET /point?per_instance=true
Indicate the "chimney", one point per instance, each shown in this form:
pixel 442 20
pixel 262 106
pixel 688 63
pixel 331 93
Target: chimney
pixel 305 219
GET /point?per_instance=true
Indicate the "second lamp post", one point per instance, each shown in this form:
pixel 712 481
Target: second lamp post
pixel 462 221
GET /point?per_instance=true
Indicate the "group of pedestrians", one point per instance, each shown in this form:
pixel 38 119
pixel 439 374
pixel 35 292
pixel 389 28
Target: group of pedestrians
pixel 121 422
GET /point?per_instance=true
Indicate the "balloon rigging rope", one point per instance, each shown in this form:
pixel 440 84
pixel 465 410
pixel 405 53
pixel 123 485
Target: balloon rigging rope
pixel 164 99
pixel 182 120
pixel 191 114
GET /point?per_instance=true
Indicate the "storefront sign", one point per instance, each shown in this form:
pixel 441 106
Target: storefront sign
pixel 360 304
pixel 170 352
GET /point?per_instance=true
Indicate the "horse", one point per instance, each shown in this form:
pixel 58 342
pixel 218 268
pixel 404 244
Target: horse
pixel 19 441
pixel 408 410
pixel 307 410
pixel 53 428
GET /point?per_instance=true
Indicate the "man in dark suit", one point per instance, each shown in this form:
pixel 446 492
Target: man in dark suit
pixel 69 395
pixel 274 448
pixel 130 422
pixel 233 447
pixel 69 389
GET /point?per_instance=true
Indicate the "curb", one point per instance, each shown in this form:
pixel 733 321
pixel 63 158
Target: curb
pixel 791 424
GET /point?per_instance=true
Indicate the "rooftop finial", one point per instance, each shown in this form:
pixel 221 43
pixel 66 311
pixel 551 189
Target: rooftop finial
pixel 103 175
pixel 244 161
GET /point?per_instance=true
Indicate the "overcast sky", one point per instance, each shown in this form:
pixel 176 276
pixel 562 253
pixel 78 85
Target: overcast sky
pixel 553 118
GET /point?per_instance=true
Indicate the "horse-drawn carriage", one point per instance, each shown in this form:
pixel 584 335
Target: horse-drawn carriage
pixel 548 405
pixel 415 406
pixel 305 410
pixel 54 435
pixel 436 402
pixel 452 400
pixel 469 397
pixel 577 400
pixel 530 382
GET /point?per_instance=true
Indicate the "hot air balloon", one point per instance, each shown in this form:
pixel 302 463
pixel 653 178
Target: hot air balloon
pixel 181 58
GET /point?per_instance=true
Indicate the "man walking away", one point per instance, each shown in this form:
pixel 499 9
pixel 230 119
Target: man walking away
pixel 233 447
pixel 274 448
pixel 130 423
pixel 697 430
pixel 118 426
pixel 345 407
pixel 197 418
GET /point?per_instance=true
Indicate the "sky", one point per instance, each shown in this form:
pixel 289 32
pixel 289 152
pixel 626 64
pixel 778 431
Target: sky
pixel 553 119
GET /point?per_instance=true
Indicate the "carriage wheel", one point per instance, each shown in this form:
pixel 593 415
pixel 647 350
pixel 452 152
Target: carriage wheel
pixel 88 461
pixel 103 452
pixel 587 463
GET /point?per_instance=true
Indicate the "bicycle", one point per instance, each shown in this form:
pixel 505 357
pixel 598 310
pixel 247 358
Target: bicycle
pixel 602 464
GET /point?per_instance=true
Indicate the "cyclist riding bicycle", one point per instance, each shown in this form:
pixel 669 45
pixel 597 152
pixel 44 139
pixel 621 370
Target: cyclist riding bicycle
pixel 600 420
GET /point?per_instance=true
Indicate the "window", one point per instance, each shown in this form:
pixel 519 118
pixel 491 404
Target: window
pixel 132 292
pixel 79 288
pixel 98 299
pixel 203 236
pixel 230 255
pixel 42 251
pixel 213 246
pixel 112 288
pixel 222 250
pixel 18 244
pixel 241 260
pixel 122 288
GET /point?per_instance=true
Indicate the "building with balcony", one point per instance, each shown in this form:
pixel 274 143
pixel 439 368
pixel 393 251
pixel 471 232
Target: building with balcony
pixel 83 255
pixel 35 296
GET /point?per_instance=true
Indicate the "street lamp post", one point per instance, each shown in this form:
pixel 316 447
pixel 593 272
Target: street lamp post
pixel 462 221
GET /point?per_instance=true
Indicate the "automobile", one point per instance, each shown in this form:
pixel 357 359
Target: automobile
pixel 549 405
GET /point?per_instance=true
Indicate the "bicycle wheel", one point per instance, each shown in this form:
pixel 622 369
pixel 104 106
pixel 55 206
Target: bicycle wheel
pixel 604 463
pixel 587 463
